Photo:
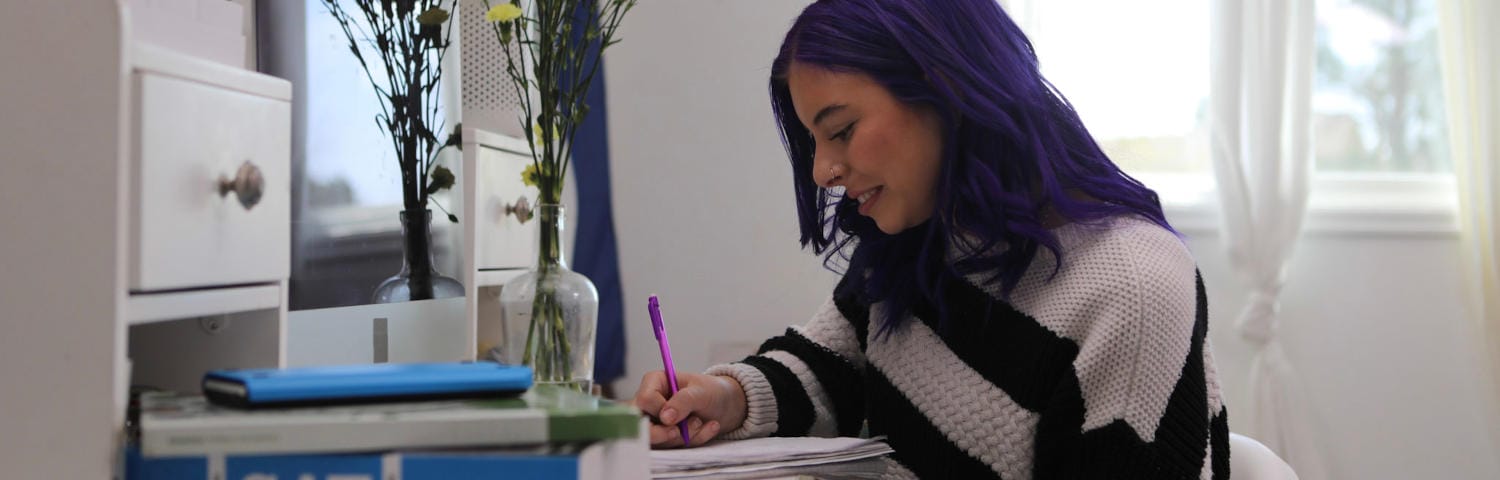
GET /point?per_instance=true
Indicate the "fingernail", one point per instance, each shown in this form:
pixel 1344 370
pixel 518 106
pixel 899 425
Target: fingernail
pixel 668 415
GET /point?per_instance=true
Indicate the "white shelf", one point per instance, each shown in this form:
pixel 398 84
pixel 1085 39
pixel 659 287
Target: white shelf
pixel 144 308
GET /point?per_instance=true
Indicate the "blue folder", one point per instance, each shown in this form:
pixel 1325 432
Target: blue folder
pixel 386 382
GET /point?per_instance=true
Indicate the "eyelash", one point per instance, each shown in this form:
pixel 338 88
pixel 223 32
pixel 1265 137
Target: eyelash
pixel 843 133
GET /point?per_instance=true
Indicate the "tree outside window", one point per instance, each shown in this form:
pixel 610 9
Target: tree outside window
pixel 1377 95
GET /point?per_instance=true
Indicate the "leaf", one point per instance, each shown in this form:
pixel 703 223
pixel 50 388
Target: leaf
pixel 456 137
pixel 441 179
pixel 433 17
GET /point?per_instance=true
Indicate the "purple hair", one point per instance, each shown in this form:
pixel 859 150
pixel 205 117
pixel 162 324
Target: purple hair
pixel 1012 145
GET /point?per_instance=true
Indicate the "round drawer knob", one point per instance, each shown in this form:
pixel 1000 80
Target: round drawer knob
pixel 521 209
pixel 247 185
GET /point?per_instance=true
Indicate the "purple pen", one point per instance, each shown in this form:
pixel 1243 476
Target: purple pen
pixel 660 329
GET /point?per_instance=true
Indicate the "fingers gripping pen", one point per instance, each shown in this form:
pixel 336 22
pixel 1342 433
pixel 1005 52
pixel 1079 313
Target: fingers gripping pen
pixel 666 357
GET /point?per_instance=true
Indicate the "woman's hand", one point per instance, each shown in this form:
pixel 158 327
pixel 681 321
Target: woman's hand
pixel 710 404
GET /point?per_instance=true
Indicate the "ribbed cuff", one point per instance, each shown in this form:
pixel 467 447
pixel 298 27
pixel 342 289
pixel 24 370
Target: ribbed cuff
pixel 760 401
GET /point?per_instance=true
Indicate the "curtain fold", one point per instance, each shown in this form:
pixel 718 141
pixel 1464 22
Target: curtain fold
pixel 1261 61
pixel 1469 45
pixel 596 252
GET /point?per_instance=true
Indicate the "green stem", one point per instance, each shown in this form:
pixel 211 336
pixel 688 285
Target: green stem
pixel 531 331
pixel 548 349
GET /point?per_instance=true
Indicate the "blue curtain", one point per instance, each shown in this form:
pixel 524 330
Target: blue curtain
pixel 595 254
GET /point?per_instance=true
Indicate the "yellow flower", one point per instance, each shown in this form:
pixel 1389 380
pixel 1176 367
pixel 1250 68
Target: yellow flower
pixel 529 176
pixel 536 135
pixel 504 12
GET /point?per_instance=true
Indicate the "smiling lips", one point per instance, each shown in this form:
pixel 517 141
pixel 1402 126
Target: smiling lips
pixel 867 199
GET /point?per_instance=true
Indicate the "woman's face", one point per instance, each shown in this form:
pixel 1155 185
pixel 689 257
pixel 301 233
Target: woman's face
pixel 884 153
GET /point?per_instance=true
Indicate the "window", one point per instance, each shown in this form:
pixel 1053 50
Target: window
pixel 1377 95
pixel 1137 72
pixel 347 185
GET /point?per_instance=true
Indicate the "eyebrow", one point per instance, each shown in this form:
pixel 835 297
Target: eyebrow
pixel 826 111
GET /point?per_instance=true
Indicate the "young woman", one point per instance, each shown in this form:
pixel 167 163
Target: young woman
pixel 1012 306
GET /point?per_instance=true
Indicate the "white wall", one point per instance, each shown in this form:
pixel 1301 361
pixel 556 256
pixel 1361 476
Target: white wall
pixel 1377 327
pixel 705 219
pixel 702 191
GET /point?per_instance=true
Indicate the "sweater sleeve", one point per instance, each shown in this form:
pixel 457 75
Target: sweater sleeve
pixel 806 381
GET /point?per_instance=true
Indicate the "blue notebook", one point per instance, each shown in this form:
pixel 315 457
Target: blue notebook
pixel 343 384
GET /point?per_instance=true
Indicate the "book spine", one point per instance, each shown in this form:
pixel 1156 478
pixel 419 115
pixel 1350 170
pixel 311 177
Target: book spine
pixel 477 467
pixel 331 436
pixel 390 466
pixel 254 467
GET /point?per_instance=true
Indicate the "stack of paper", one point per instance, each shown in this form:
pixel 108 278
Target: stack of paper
pixel 778 456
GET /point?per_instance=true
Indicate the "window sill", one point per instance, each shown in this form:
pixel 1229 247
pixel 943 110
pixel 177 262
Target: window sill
pixel 1340 204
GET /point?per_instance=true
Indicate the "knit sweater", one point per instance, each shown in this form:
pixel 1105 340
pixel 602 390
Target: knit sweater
pixel 1102 371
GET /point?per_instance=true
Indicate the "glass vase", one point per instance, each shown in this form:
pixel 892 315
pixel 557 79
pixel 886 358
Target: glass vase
pixel 550 312
pixel 419 279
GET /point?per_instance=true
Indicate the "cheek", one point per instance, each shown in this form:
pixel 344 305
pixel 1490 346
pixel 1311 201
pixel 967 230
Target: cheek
pixel 877 152
pixel 921 155
pixel 901 154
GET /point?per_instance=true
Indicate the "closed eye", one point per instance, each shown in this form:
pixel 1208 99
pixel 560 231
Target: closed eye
pixel 843 134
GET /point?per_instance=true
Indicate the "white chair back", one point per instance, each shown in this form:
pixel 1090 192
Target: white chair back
pixel 1250 460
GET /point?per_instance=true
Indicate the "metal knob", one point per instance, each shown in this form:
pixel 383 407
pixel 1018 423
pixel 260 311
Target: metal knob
pixel 521 209
pixel 248 185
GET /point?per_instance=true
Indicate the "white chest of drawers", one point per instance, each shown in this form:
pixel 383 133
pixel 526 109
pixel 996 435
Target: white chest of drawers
pixel 144 228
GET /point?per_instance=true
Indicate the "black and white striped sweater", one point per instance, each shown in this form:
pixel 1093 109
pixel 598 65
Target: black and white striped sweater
pixel 1100 372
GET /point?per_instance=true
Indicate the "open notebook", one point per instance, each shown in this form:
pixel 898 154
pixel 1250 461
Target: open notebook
pixel 841 457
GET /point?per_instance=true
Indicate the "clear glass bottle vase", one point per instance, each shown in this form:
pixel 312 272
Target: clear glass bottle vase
pixel 419 278
pixel 551 312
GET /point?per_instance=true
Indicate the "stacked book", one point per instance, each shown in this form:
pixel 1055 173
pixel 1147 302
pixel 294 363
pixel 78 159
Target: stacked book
pixel 547 432
pixel 825 458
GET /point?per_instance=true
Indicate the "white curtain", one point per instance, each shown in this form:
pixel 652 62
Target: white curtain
pixel 1471 71
pixel 1261 56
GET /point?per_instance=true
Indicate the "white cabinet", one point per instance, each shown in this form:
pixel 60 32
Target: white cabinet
pixel 502 240
pixel 499 244
pixel 120 261
pixel 209 228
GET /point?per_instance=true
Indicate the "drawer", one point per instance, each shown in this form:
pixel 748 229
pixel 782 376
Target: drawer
pixel 502 240
pixel 188 138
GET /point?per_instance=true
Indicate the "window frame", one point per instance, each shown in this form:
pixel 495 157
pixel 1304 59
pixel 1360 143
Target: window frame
pixel 1339 203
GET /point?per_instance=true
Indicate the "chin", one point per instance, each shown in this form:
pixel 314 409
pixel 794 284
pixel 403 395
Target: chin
pixel 890 227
